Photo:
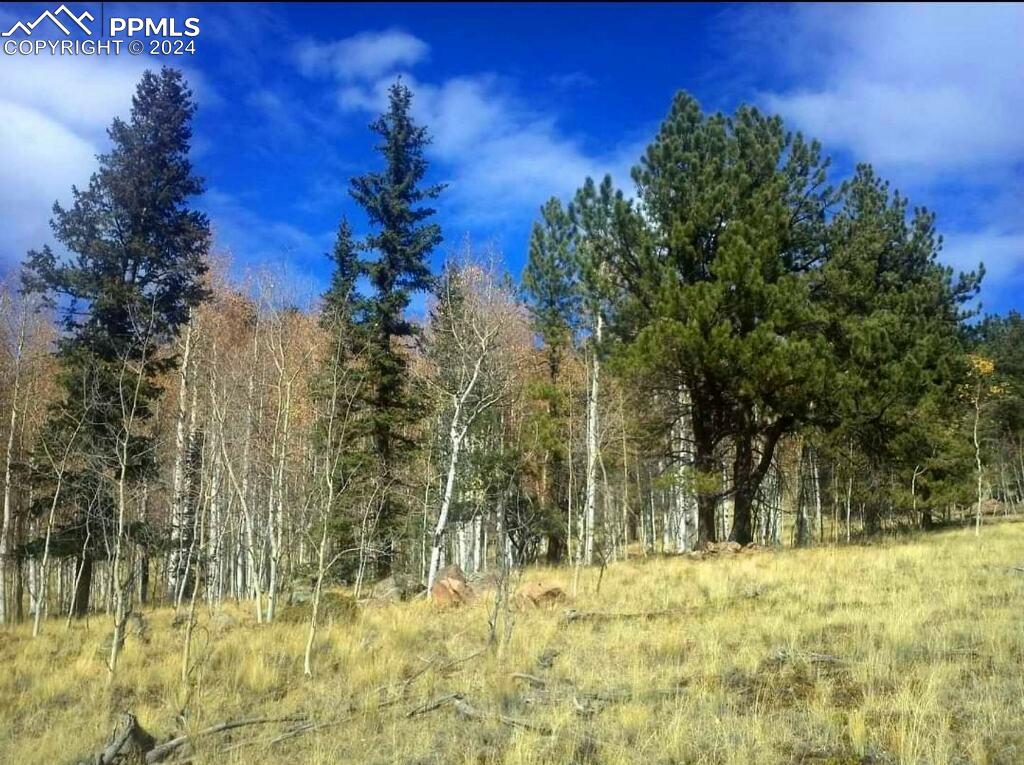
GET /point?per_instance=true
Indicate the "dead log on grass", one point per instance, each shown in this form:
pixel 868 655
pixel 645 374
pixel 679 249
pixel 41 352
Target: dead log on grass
pixel 573 615
pixel 467 711
pixel 131 743
pixel 162 752
pixel 128 742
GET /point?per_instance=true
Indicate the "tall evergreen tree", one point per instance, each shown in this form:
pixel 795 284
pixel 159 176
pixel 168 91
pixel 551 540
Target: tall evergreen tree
pixel 895 325
pixel 137 255
pixel 550 285
pixel 717 319
pixel 340 301
pixel 397 267
pixel 337 393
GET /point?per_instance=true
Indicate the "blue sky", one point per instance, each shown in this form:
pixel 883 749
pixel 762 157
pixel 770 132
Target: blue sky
pixel 524 102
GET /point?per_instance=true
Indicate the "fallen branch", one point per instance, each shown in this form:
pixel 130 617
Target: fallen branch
pixel 430 706
pixel 536 682
pixel 572 615
pixel 162 752
pixel 783 655
pixel 390 700
pixel 128 737
pixel 567 690
pixel 466 711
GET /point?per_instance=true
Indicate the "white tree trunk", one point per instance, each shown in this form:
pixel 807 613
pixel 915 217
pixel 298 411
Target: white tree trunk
pixel 592 447
pixel 5 529
pixel 181 523
pixel 977 457
pixel 456 434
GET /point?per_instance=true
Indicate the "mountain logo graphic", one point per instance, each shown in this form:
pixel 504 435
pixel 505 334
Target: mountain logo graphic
pixel 55 17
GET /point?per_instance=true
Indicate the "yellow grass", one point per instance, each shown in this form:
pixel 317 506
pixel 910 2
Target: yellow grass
pixel 908 653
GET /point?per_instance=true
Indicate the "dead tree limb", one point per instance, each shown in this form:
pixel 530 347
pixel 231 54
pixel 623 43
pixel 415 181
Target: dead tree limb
pixel 430 706
pixel 536 682
pixel 128 738
pixel 465 710
pixel 573 615
pixel 162 752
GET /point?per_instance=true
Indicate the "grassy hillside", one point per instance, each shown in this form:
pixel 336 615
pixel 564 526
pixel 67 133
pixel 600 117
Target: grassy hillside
pixel 911 653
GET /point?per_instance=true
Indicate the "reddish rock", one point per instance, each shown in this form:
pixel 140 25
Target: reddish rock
pixel 451 591
pixel 540 594
pixel 452 572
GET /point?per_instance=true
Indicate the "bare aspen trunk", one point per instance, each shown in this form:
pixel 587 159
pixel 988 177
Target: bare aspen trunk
pixel 181 523
pixel 849 503
pixel 321 569
pixel 5 529
pixel 455 436
pixel 275 519
pixel 78 597
pixel 215 533
pixel 120 588
pixel 120 607
pixel 683 499
pixel 472 328
pixel 977 457
pixel 190 625
pixel 479 544
pixel 592 446
pixel 816 479
pixel 625 479
pixel 802 531
pixel 252 568
pixel 39 594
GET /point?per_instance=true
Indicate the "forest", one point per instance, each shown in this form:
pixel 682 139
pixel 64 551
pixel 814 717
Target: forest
pixel 741 350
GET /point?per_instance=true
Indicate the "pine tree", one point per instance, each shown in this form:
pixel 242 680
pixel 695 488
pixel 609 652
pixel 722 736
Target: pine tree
pixel 137 258
pixel 895 327
pixel 550 288
pixel 593 213
pixel 549 282
pixel 400 247
pixel 717 317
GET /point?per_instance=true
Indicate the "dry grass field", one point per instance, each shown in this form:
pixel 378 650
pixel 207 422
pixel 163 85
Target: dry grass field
pixel 909 652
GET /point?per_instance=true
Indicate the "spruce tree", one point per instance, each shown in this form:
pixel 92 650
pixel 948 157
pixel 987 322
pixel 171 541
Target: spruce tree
pixel 340 301
pixel 136 258
pixel 337 391
pixel 397 266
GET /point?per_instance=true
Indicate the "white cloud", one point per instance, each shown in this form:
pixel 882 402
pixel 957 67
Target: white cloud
pixel 922 88
pixel 83 93
pixel 501 157
pixel 365 56
pixel 1001 251
pixel 39 161
pixel 55 113
pixel 931 94
pixel 505 159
